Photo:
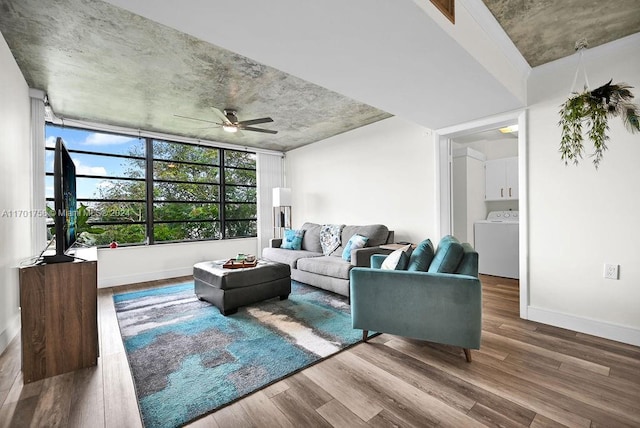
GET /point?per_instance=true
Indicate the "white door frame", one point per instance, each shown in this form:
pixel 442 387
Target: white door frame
pixel 442 138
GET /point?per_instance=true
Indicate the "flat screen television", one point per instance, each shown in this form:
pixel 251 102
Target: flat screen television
pixel 65 204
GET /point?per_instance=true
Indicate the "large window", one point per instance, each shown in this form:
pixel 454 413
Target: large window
pixel 140 190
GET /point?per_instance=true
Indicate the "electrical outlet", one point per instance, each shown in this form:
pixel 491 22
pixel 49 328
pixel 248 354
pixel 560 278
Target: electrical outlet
pixel 611 271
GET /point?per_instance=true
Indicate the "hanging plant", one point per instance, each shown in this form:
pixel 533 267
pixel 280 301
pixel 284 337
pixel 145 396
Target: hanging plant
pixel 593 109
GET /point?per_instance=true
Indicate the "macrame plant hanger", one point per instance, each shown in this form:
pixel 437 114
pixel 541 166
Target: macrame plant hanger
pixel 581 46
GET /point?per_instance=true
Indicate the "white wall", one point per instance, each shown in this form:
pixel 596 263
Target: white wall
pixel 468 193
pixel 127 265
pixel 381 173
pixel 497 149
pixel 581 218
pixel 15 179
pixel 459 192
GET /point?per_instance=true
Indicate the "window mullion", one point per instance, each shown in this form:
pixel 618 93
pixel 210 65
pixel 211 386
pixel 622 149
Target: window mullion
pixel 223 197
pixel 149 186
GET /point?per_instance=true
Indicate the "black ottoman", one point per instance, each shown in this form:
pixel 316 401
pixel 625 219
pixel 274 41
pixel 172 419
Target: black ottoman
pixel 227 289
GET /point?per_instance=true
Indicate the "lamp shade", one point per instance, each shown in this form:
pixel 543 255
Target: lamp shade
pixel 281 197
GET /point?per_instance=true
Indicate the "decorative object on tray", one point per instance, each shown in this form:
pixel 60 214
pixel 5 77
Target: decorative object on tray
pixel 239 264
pixel 247 257
pixel 594 108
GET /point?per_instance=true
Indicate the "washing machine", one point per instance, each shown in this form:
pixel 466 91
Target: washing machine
pixel 496 240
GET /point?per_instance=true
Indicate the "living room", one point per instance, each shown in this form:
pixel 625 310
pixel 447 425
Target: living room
pixel 575 218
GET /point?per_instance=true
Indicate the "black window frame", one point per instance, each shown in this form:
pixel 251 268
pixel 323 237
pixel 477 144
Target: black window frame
pixel 150 181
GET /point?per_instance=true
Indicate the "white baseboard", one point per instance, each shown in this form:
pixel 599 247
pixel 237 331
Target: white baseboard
pixel 9 333
pixel 616 332
pixel 114 281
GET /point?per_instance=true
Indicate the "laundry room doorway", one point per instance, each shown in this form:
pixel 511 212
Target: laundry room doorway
pixel 482 195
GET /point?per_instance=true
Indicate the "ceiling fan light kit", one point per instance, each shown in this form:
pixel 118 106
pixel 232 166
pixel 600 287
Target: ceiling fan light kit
pixel 593 108
pixel 230 123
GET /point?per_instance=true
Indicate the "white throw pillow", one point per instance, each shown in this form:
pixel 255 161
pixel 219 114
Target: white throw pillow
pixel 397 260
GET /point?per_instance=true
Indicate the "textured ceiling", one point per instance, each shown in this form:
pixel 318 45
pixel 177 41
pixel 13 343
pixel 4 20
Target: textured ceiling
pixel 103 64
pixel 100 63
pixel 546 30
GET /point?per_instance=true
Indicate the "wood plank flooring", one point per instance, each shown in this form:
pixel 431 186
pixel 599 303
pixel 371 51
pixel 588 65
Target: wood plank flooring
pixel 525 375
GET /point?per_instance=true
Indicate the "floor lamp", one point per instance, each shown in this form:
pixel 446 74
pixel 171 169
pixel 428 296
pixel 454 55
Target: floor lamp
pixel 281 210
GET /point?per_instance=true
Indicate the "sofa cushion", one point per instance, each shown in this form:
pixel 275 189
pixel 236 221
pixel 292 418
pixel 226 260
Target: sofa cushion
pixel 469 263
pixel 377 234
pixel 355 242
pixel 421 257
pixel 311 239
pixel 289 257
pixel 397 260
pixel 327 265
pixel 330 237
pixel 448 256
pixel 292 239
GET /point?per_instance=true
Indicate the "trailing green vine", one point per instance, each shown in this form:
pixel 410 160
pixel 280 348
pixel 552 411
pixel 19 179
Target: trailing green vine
pixel 593 108
pixel 571 147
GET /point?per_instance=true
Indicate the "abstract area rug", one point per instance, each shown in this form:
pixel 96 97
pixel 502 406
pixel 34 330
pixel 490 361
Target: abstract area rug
pixel 188 360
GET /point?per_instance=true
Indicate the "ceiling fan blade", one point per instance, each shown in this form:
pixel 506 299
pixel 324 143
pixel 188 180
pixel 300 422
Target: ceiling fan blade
pixel 221 116
pixel 255 121
pixel 199 120
pixel 266 131
pixel 217 125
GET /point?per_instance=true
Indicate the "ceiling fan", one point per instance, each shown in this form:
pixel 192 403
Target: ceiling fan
pixel 230 123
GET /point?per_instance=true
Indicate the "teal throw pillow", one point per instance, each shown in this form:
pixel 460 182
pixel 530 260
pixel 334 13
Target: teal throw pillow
pixel 469 263
pixel 397 260
pixel 292 239
pixel 355 242
pixel 421 257
pixel 448 256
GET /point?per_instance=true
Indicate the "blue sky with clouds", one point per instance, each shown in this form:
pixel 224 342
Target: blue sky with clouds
pixel 78 139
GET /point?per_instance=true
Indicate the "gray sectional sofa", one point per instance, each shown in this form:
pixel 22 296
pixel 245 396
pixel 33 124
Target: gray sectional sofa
pixel 330 272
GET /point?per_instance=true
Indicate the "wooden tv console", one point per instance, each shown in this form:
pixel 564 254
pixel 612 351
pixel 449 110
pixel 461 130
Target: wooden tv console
pixel 59 311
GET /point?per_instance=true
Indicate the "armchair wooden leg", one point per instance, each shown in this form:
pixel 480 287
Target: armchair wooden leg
pixel 467 354
pixel 365 335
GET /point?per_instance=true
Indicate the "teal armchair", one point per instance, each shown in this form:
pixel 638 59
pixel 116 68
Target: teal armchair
pixel 428 305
